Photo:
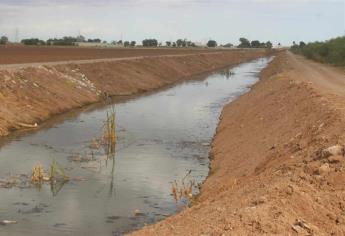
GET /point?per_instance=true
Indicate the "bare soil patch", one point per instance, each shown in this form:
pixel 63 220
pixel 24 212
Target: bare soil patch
pixel 19 55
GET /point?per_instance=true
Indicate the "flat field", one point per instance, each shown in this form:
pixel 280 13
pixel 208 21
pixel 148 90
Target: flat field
pixel 19 54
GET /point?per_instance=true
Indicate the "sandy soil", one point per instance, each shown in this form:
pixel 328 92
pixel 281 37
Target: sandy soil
pixel 271 172
pixel 16 55
pixel 33 94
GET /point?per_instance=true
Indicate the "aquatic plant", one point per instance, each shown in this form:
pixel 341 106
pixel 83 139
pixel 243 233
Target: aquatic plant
pixel 57 172
pixel 183 189
pixel 109 132
pixel 37 174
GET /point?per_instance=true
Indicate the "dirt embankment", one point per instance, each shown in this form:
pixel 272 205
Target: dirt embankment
pixel 271 172
pixel 33 94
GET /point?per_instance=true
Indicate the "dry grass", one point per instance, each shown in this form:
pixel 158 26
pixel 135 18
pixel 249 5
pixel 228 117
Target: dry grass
pixel 183 189
pixel 37 174
pixel 109 132
pixel 56 173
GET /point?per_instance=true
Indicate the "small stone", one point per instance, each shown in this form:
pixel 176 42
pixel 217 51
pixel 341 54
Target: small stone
pixel 333 151
pixel 7 222
pixel 324 169
pixel 289 190
pixel 138 213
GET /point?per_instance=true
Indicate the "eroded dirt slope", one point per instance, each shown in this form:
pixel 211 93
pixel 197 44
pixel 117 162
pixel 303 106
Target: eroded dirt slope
pixel 271 172
pixel 33 94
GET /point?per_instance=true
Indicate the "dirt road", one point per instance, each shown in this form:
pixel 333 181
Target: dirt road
pixel 326 78
pixel 271 171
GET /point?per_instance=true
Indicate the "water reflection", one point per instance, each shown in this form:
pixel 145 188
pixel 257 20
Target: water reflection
pixel 56 186
pixel 227 73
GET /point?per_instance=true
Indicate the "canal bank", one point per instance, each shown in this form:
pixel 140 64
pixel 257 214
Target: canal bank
pixel 277 159
pixel 30 95
pixel 162 137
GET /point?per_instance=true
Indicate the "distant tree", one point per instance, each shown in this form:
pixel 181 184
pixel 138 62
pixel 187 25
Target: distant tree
pixel 65 41
pixel 33 41
pixel 3 40
pixel 269 45
pixel 179 43
pixel 244 43
pixel 255 44
pixel 104 42
pixel 228 45
pixel 211 44
pixel 126 43
pixel 133 43
pixel 174 44
pixel 150 43
pixel 302 44
pixel 80 39
pixel 189 43
pixel 119 42
pixel 94 40
pixel 168 43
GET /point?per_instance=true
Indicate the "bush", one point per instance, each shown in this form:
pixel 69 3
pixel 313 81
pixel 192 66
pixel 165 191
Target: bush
pixel 33 41
pixel 331 51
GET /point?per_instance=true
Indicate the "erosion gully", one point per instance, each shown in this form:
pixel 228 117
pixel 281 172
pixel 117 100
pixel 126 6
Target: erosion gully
pixel 161 137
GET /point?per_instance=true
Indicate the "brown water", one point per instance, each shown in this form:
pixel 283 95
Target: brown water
pixel 160 138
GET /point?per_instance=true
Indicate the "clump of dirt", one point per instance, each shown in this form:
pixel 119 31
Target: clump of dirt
pixel 278 160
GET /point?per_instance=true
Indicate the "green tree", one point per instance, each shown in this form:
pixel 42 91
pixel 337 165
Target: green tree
pixel 33 41
pixel 228 45
pixel 269 45
pixel 133 43
pixel 244 43
pixel 150 43
pixel 126 44
pixel 255 44
pixel 3 40
pixel 179 43
pixel 302 44
pixel 211 44
pixel 168 43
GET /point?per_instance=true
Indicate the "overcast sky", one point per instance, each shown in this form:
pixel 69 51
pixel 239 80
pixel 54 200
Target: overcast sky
pixel 198 20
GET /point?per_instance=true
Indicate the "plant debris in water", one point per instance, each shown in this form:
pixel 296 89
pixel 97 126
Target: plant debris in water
pixel 109 132
pixel 183 190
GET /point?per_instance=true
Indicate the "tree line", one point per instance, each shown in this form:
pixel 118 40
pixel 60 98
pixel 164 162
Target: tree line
pixel 151 42
pixel 331 51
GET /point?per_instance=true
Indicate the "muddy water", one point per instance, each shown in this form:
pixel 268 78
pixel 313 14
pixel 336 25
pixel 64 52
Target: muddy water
pixel 161 137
